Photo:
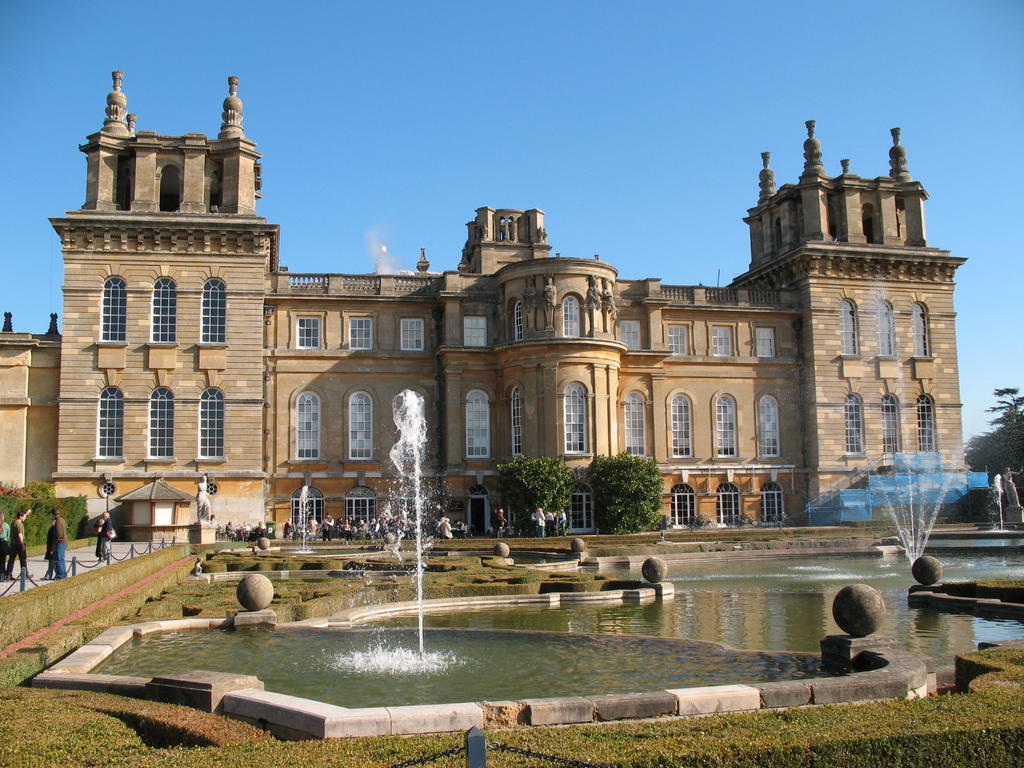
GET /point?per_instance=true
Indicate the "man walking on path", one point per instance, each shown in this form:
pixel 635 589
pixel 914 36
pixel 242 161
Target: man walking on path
pixel 60 543
pixel 17 543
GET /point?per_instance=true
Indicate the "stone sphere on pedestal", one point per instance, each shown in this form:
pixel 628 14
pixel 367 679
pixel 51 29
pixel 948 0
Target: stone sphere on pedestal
pixel 654 570
pixel 263 543
pixel 578 545
pixel 255 592
pixel 927 570
pixel 389 540
pixel 858 609
pixel 501 549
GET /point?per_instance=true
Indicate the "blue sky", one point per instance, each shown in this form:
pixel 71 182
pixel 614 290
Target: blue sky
pixel 637 127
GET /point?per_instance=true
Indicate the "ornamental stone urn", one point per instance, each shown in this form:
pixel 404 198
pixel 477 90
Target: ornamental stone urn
pixel 654 570
pixel 254 592
pixel 501 549
pixel 858 609
pixel 927 570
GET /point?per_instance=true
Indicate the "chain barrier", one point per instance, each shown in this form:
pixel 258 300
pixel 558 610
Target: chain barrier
pixel 541 756
pixel 429 758
pixel 9 587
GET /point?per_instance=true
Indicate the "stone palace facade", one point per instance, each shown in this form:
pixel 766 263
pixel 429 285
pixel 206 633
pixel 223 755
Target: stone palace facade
pixel 186 349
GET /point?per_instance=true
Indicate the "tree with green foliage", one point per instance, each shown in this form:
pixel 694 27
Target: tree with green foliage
pixel 1003 445
pixel 534 481
pixel 627 493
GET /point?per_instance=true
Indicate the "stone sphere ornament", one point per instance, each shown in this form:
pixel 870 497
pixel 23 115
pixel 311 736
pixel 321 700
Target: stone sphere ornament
pixel 578 545
pixel 927 570
pixel 254 592
pixel 389 540
pixel 858 609
pixel 263 543
pixel 654 570
pixel 501 549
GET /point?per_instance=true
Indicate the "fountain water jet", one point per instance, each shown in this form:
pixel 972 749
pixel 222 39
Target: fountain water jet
pixel 303 520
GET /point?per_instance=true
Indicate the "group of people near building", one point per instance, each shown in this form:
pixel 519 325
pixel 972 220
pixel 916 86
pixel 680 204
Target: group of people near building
pixel 548 523
pixel 14 547
pixel 245 532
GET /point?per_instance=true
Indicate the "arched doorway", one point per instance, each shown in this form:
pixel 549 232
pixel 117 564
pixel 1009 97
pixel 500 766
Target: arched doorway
pixel 479 511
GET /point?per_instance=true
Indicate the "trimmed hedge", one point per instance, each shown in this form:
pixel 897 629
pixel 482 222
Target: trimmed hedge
pixel 38 523
pixel 1007 590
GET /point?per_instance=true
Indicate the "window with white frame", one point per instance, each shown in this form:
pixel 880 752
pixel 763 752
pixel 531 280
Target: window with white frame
pixel 725 426
pixel 721 340
pixel 307 333
pixel 764 341
pixel 633 417
pixel 772 510
pixel 926 425
pixel 474 331
pixel 314 506
pixel 728 504
pixel 890 424
pixel 679 339
pixel 360 333
pixel 361 504
pixel 629 333
pixel 922 340
pixel 768 426
pixel 853 417
pixel 161 424
pixel 581 509
pixel 114 321
pixel 681 426
pixel 165 311
pixel 848 328
pixel 516 417
pixel 684 504
pixel 886 330
pixel 411 331
pixel 478 425
pixel 214 321
pixel 517 321
pixel 211 424
pixel 110 429
pixel 307 426
pixel 574 408
pixel 570 317
pixel 360 426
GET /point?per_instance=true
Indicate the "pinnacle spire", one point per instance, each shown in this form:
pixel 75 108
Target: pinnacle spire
pixel 898 158
pixel 812 153
pixel 766 179
pixel 231 125
pixel 117 108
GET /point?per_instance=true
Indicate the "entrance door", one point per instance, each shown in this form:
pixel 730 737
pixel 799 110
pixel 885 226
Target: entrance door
pixel 479 515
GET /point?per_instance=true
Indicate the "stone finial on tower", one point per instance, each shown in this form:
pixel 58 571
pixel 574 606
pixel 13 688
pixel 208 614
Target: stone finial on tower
pixel 132 117
pixel 52 330
pixel 423 265
pixel 231 127
pixel 812 153
pixel 898 158
pixel 845 163
pixel 117 111
pixel 8 323
pixel 766 179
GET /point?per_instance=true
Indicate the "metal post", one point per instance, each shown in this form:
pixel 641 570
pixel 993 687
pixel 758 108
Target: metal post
pixel 131 551
pixel 110 550
pixel 476 748
pixel 74 565
pixel 24 579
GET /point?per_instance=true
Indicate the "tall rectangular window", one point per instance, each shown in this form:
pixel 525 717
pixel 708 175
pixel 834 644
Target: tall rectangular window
pixel 682 444
pixel 161 424
pixel 115 310
pixel 629 333
pixel 307 333
pixel 516 417
pixel 211 424
pixel 165 311
pixel 110 443
pixel 633 417
pixel 721 340
pixel 678 340
pixel 853 418
pixel 360 333
pixel 412 334
pixel 764 341
pixel 474 331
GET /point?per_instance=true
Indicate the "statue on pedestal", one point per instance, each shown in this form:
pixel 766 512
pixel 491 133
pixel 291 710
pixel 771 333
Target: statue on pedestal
pixel 203 500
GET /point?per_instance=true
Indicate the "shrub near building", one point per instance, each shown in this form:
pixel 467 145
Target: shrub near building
pixel 534 481
pixel 627 493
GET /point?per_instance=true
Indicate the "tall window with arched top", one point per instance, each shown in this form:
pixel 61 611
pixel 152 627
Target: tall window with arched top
pixel 768 426
pixel 890 424
pixel 772 511
pixel 214 313
pixel 853 416
pixel 922 340
pixel 360 426
pixel 314 506
pixel 516 418
pixel 161 424
pixel 165 311
pixel 886 329
pixel 727 504
pixel 684 504
pixel 478 425
pixel 848 328
pixel 211 424
pixel 170 188
pixel 361 504
pixel 867 222
pixel 574 408
pixel 517 321
pixel 725 426
pixel 110 428
pixel 113 324
pixel 571 317
pixel 682 426
pixel 633 417
pixel 926 441
pixel 307 426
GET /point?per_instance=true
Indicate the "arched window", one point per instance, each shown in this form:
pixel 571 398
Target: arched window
pixel 926 441
pixel 314 506
pixel 725 425
pixel 110 430
pixel 684 504
pixel 211 424
pixel 115 310
pixel 571 317
pixel 170 188
pixel 886 329
pixel 890 424
pixel 307 426
pixel 575 416
pixel 853 417
pixel 165 311
pixel 361 504
pixel 768 426
pixel 215 313
pixel 360 426
pixel 682 426
pixel 848 328
pixel 633 416
pixel 516 417
pixel 478 425
pixel 728 504
pixel 517 321
pixel 922 340
pixel 581 509
pixel 161 424
pixel 772 511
